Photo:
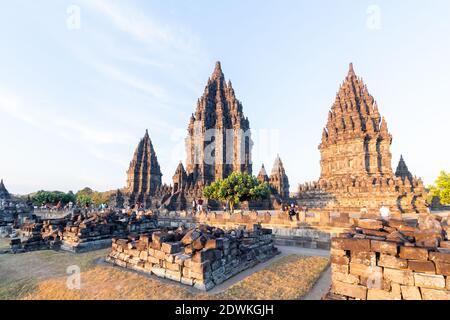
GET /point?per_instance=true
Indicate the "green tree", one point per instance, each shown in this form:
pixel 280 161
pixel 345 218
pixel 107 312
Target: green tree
pixel 84 197
pixel 236 188
pixel 441 188
pixel 52 197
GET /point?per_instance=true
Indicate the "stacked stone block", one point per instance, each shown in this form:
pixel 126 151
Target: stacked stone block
pixel 373 267
pixel 201 257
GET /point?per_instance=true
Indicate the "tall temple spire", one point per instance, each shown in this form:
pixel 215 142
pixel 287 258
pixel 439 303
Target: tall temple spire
pixel 144 173
pixel 402 170
pixel 354 117
pixel 4 194
pixel 279 179
pixel 220 111
pixel 262 176
pixel 217 73
pixel 351 71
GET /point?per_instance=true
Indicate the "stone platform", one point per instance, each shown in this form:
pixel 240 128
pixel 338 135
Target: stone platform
pixel 200 257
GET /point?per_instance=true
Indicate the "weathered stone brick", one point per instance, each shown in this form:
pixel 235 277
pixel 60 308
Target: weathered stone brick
pixel 411 293
pixel 363 270
pixel 376 294
pixel 405 277
pixel 160 255
pixel 338 253
pixel 345 277
pixel 448 282
pixel 430 281
pixel 340 260
pixel 160 272
pixel 369 224
pixel 171 247
pixel 384 247
pixel 349 290
pixel 413 253
pixel 339 268
pixel 389 261
pixel 376 281
pixel 440 257
pixel 187 281
pixel 432 294
pixel 173 266
pixel 351 244
pixel 364 257
pixel 422 266
pixel 173 275
pixel 443 268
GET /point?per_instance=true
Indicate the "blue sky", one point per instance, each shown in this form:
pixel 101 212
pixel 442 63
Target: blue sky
pixel 75 98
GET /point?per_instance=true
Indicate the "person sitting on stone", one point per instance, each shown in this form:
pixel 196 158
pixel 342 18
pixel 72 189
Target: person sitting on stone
pixel 292 211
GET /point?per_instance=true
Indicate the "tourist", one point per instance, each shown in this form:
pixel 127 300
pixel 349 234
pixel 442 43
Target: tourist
pixel 385 212
pixel 292 211
pixel 200 205
pixel 194 206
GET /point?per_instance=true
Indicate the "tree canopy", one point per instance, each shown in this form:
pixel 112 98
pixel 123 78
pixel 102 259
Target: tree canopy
pixel 52 197
pixel 236 188
pixel 441 188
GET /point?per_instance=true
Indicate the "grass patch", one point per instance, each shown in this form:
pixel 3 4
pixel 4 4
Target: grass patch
pixel 21 274
pixel 291 277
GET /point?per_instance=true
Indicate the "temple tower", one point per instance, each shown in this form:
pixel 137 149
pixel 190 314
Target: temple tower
pixel 4 194
pixel 262 176
pixel 219 139
pixel 356 140
pixel 279 180
pixel 144 173
pixel 403 171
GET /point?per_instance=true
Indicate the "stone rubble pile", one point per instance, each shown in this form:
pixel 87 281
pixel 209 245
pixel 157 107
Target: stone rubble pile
pixel 81 231
pixel 202 257
pixel 392 260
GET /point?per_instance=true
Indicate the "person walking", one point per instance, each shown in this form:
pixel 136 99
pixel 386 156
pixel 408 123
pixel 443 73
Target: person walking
pixel 194 206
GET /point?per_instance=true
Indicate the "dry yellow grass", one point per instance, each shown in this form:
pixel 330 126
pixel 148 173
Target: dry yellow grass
pixel 4 243
pixel 289 278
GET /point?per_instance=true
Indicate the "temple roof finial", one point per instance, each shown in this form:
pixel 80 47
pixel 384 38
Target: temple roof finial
pixel 217 74
pixel 351 71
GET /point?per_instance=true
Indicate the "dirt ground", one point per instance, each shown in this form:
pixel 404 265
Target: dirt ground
pixel 4 243
pixel 43 275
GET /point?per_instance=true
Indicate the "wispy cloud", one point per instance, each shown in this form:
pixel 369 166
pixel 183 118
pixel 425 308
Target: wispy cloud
pixel 139 84
pixel 145 29
pixel 42 117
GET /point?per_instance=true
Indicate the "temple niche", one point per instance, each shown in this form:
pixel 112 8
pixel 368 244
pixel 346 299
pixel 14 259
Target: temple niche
pixel 356 170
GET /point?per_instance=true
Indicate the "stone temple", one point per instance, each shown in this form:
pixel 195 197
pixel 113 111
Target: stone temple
pixel 218 143
pixel 356 170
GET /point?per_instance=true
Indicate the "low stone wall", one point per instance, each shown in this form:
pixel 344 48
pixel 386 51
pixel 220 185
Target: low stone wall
pixel 395 265
pixel 202 257
pixel 292 234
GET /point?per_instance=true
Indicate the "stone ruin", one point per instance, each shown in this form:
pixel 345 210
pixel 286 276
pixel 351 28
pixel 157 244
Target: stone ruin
pixel 201 257
pixel 81 232
pixel 217 109
pixel 13 211
pixel 392 260
pixel 356 170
